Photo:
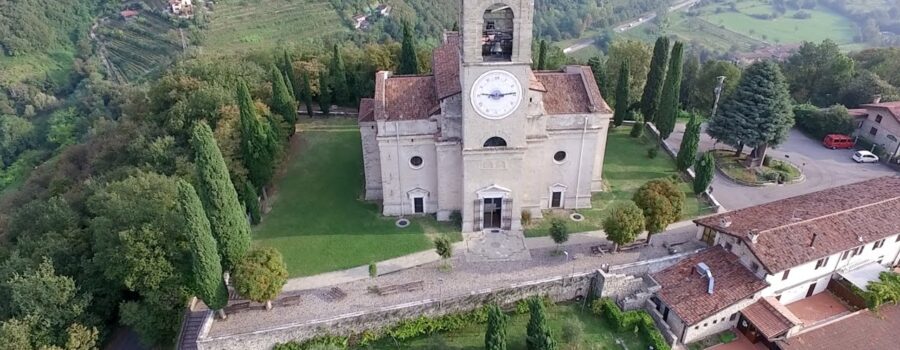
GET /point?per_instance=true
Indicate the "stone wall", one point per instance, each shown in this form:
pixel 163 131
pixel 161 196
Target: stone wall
pixel 561 288
pixel 663 327
pixel 648 266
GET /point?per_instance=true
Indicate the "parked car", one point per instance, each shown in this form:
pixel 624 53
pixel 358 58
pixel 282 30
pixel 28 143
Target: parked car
pixel 864 157
pixel 838 141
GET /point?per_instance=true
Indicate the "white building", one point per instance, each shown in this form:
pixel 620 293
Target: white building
pixel 764 257
pixel 484 135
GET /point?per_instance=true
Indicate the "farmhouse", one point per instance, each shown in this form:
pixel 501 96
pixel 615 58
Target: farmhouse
pixel 766 261
pixel 183 8
pixel 485 136
pixel 879 123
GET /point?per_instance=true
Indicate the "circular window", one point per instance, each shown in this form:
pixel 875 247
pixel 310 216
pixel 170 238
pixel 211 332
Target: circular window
pixel 416 162
pixel 560 156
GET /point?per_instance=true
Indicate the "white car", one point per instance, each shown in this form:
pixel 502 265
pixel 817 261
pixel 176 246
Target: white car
pixel 864 157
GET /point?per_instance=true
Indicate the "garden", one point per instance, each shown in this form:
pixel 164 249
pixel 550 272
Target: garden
pixel 772 171
pixel 318 221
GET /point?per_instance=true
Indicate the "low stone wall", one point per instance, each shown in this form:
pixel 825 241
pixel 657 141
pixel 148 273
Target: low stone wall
pixel 561 288
pixel 663 327
pixel 648 266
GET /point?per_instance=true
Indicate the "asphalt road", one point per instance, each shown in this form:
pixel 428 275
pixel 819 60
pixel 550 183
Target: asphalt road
pixel 824 168
pixel 583 43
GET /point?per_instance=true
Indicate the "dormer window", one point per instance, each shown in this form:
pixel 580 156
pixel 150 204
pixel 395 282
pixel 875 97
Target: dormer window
pixel 497 37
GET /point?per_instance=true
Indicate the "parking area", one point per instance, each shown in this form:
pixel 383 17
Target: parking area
pixel 824 168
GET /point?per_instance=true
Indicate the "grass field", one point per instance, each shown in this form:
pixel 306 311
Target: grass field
pixel 785 29
pixel 139 47
pixel 626 168
pixel 598 334
pixel 57 64
pixel 239 26
pixel 318 221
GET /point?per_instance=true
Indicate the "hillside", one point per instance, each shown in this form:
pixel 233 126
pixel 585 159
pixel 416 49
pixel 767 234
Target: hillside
pixel 139 46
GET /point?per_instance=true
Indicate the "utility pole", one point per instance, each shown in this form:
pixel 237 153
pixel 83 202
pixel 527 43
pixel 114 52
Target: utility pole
pixel 720 85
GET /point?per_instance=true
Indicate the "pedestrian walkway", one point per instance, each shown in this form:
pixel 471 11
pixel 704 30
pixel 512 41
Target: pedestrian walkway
pixel 496 245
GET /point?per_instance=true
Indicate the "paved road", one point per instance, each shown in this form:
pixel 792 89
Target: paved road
pixel 824 168
pixel 583 43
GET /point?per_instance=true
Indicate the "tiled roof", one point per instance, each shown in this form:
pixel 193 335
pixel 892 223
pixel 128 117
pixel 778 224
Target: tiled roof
pixel 410 98
pixel 445 64
pixel 893 107
pixel 685 291
pixel 367 110
pixel 770 317
pixel 573 91
pixel 805 228
pixel 864 330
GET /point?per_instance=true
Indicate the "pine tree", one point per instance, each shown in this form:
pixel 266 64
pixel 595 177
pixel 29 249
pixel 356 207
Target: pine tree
pixel 495 335
pixel 206 264
pixel 622 99
pixel 251 201
pixel 338 77
pixel 758 114
pixel 409 62
pixel 687 152
pixel 325 94
pixel 668 104
pixel 655 78
pixel 283 102
pixel 220 201
pixel 705 169
pixel 306 94
pixel 539 336
pixel 255 142
pixel 542 56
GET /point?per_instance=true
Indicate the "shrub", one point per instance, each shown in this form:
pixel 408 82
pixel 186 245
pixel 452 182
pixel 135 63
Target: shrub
pixel 820 122
pixel 705 170
pixel 727 337
pixel 652 152
pixel 572 330
pixel 638 128
pixel 443 247
pixel 635 321
pixel 373 270
pixel 558 231
pixel 767 161
pixel 526 217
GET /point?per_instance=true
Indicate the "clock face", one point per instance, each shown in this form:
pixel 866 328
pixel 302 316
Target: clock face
pixel 496 94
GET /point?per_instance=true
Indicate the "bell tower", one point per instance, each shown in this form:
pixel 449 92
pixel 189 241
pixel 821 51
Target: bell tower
pixel 496 30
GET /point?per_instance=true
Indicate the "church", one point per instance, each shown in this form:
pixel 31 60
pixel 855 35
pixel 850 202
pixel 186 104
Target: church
pixel 485 135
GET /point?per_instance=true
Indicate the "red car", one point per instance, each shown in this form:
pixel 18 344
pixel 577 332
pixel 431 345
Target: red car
pixel 836 141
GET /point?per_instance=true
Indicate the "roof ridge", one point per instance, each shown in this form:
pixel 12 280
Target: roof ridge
pixel 830 215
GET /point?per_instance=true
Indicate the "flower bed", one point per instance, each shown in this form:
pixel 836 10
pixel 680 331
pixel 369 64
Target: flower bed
pixel 773 171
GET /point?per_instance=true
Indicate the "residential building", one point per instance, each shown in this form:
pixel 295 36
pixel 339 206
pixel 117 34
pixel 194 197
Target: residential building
pixel 183 8
pixel 485 136
pixel 764 258
pixel 879 123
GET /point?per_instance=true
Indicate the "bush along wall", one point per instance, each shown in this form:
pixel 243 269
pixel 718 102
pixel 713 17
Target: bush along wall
pixel 628 321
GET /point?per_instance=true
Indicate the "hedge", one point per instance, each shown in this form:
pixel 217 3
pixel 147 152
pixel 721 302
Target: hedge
pixel 629 321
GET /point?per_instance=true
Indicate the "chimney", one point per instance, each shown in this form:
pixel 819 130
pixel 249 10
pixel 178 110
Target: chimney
pixel 753 235
pixel 704 271
pixel 813 241
pixel 876 99
pixel 724 222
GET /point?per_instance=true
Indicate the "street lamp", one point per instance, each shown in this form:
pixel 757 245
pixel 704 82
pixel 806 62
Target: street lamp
pixel 440 293
pixel 720 85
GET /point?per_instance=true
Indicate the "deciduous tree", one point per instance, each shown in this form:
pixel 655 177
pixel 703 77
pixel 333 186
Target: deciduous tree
pixel 689 80
pixel 624 223
pixel 661 202
pixel 687 152
pixel 655 78
pixel 206 264
pixel 495 335
pixel 704 95
pixel 558 231
pixel 668 104
pixel 637 54
pixel 817 72
pixel 622 100
pixel 864 87
pixel 261 275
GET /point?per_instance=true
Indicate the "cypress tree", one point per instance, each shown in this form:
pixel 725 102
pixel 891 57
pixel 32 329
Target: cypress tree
pixel 287 69
pixel 283 102
pixel 409 62
pixel 290 86
pixel 668 104
pixel 622 99
pixel 690 75
pixel 220 200
pixel 539 336
pixel 542 56
pixel 255 143
pixel 705 169
pixel 495 335
pixel 599 70
pixel 338 76
pixel 206 265
pixel 251 201
pixel 687 152
pixel 655 78
pixel 325 94
pixel 306 94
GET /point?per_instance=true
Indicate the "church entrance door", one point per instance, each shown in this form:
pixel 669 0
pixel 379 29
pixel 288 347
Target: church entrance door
pixel 493 213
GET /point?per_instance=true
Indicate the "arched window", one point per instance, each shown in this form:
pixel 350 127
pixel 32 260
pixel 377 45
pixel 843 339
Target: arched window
pixel 498 34
pixel 495 142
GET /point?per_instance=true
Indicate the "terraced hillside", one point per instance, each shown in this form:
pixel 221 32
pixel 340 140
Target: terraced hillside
pixel 242 26
pixel 139 46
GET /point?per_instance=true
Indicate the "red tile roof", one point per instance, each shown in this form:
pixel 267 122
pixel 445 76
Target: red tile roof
pixel 863 330
pixel 685 291
pixel 770 317
pixel 839 219
pixel 892 107
pixel 367 110
pixel 573 91
pixel 445 64
pixel 410 98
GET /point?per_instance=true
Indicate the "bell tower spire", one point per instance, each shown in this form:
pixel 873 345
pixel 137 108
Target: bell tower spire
pixel 496 31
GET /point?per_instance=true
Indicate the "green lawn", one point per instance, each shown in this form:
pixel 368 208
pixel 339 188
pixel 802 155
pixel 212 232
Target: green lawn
pixel 626 168
pixel 598 334
pixel 242 26
pixel 824 23
pixel 318 221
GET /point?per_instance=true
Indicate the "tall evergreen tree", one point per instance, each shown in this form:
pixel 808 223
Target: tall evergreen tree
pixel 655 79
pixel 287 69
pixel 251 201
pixel 220 201
pixel 687 152
pixel 668 104
pixel 622 99
pixel 306 94
pixel 542 56
pixel 206 264
pixel 325 95
pixel 283 102
pixel 409 62
pixel 256 146
pixel 600 76
pixel 704 170
pixel 690 74
pixel 290 86
pixel 539 336
pixel 495 335
pixel 338 76
pixel 758 114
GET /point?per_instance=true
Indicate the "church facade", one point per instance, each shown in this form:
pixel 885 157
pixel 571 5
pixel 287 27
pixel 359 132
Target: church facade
pixel 484 135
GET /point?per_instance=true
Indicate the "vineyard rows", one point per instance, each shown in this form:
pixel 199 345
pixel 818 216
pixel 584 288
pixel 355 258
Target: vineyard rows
pixel 139 47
